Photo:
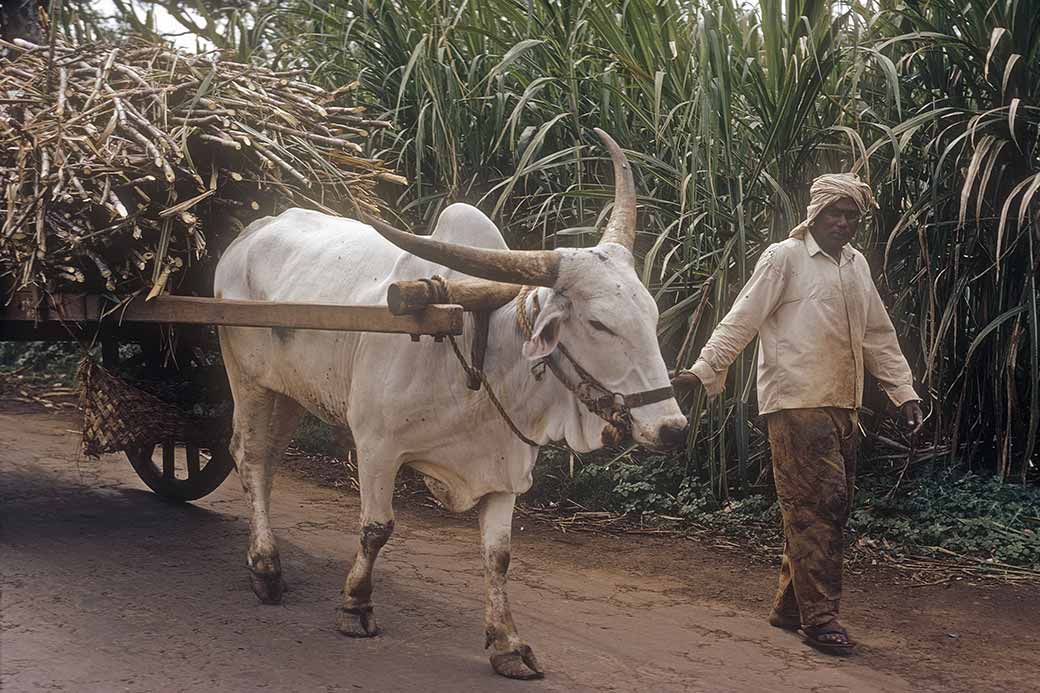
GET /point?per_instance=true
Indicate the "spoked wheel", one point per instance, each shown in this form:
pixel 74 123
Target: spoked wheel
pixel 181 472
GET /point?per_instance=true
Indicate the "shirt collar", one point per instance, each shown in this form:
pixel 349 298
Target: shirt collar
pixel 813 248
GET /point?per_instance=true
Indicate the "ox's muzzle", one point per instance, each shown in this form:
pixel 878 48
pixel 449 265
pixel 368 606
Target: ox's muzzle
pixel 613 407
pixel 673 435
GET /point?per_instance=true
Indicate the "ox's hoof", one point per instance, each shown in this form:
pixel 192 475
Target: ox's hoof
pixel 518 664
pixel 268 587
pixel 359 622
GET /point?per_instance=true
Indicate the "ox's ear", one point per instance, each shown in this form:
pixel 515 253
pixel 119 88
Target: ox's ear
pixel 546 333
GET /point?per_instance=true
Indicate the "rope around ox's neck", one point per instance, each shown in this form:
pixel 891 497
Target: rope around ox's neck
pixel 442 292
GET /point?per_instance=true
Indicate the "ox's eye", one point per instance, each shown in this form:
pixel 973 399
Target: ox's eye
pixel 597 325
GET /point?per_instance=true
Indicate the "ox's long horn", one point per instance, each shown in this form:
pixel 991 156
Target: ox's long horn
pixel 531 267
pixel 621 228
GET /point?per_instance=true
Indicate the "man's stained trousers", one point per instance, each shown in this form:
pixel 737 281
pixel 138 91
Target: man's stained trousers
pixel 814 467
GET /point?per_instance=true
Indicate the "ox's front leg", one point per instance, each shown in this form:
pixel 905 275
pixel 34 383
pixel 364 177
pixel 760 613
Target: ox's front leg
pixel 356 617
pixel 263 425
pixel 512 657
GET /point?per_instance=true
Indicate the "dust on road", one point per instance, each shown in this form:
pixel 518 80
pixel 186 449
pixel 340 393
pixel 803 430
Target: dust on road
pixel 106 587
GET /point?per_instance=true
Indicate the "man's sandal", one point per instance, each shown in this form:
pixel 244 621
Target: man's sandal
pixel 831 638
pixel 784 621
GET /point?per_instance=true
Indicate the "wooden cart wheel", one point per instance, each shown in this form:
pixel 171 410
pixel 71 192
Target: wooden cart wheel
pixel 181 472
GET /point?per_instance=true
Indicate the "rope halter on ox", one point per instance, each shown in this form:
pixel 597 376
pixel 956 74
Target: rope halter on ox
pixel 613 407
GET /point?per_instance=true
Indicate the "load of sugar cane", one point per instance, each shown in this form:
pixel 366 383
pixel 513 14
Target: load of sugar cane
pixel 122 167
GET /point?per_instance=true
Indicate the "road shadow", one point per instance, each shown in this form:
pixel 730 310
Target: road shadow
pixel 124 562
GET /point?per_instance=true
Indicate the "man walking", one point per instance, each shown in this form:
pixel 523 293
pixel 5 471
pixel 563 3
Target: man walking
pixel 820 322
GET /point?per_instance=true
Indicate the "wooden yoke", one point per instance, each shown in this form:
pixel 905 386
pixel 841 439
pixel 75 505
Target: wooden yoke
pixel 474 295
pixel 477 296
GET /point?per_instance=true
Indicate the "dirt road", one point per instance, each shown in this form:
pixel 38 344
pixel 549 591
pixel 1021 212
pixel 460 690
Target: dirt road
pixel 106 588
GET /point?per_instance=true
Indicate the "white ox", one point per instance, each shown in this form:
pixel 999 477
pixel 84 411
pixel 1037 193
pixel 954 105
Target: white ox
pixel 407 403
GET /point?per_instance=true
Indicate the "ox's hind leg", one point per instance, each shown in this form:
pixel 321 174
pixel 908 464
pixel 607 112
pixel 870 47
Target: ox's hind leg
pixel 263 425
pixel 512 657
pixel 356 617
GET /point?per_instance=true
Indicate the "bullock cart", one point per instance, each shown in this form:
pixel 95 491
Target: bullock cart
pixel 181 456
pixel 127 168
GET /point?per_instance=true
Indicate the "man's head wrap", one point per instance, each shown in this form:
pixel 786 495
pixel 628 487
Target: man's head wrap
pixel 828 189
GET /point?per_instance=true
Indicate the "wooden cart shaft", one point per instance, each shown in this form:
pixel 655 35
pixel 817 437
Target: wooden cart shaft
pixel 27 308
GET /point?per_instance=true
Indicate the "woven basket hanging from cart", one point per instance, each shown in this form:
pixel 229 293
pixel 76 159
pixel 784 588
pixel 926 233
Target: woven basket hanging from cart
pixel 118 416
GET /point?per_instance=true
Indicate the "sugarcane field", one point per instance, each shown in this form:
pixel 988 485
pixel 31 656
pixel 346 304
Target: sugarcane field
pixel 478 345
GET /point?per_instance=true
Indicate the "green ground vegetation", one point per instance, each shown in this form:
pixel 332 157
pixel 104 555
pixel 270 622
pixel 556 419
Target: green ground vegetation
pixel 54 361
pixel 938 513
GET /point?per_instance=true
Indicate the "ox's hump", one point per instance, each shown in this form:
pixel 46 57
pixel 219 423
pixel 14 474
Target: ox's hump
pixel 466 225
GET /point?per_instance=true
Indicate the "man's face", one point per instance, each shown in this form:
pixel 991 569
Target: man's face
pixel 836 225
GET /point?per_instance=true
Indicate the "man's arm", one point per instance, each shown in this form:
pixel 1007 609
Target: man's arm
pixel 883 359
pixel 757 300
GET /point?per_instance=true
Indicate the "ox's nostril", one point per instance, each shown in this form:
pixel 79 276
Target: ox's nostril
pixel 674 436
